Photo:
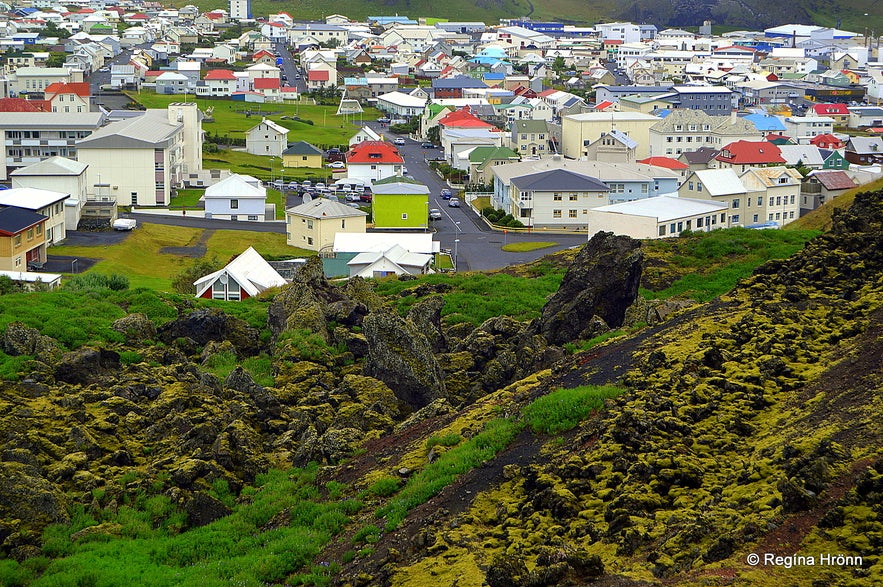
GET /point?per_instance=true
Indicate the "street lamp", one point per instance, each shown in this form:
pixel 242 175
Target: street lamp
pixel 456 241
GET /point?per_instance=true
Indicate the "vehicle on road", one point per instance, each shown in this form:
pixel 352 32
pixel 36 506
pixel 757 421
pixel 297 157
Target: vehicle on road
pixel 383 120
pixel 277 184
pixel 399 141
pixel 427 145
pixel 353 197
pixel 366 196
pixel 306 184
pixel 292 185
pixel 125 224
pixel 435 214
pixel 337 165
pixel 454 203
pixel 320 186
pixel 446 194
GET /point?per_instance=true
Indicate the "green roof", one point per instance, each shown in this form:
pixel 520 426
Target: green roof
pixel 485 155
pixel 302 148
pixel 531 126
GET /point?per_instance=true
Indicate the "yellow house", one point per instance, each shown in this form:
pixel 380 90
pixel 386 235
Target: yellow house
pixel 302 154
pixel 312 225
pixel 580 130
pixel 22 238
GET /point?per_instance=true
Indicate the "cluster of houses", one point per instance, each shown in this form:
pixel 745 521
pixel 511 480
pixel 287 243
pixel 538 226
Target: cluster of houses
pixel 616 126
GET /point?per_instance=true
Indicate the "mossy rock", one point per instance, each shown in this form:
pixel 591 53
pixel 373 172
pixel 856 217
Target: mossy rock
pixel 137 328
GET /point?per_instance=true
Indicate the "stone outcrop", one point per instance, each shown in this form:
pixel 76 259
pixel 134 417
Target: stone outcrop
pixel 137 328
pixel 203 326
pixel 602 281
pixel 401 356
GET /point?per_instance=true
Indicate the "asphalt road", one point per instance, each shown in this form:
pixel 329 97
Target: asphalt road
pixel 290 69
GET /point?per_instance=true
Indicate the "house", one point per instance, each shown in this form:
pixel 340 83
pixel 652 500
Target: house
pixel 557 198
pixel 401 104
pixel 22 238
pixel 246 276
pixel 804 128
pixel 237 197
pixel 701 158
pixel 579 130
pixel 661 217
pixel 313 225
pixel 396 260
pixel 839 113
pixel 71 97
pixel 864 150
pixel 612 147
pixel 688 130
pixel 822 186
pixel 364 134
pixel 217 82
pixel 808 156
pixel 531 138
pixel 57 174
pixel 483 159
pixel 45 203
pixel 270 87
pixel 171 82
pixel 719 185
pixel 400 204
pixel 741 155
pixel 674 165
pixel 779 188
pixel 139 160
pixel 302 154
pixel 36 79
pixel 373 160
pixel 827 141
pixel 266 138
pixel 29 137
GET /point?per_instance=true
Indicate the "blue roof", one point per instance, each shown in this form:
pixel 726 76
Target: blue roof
pixel 494 76
pixel 391 19
pixel 765 122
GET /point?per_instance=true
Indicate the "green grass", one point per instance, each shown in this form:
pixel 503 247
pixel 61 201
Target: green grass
pixel 526 247
pixel 476 297
pixel 260 368
pixel 151 549
pixel 496 436
pixel 188 199
pixel 563 409
pixel 261 166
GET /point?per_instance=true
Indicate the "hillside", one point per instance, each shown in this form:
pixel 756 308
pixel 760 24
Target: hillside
pixel 746 14
pixel 408 432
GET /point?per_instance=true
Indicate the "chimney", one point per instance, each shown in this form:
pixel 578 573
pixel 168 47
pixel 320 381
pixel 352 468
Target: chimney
pixel 733 116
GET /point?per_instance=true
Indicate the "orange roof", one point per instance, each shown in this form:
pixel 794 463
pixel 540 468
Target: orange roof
pixel 21 105
pixel 79 88
pixel 463 118
pixel 220 74
pixel 373 152
pixel 666 162
pixel 751 153
pixel 266 83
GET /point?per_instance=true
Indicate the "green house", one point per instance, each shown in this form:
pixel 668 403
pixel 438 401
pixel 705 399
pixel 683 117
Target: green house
pixel 400 203
pixel 833 159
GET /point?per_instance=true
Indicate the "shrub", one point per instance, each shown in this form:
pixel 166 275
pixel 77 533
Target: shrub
pixel 563 409
pixel 446 440
pixel 183 281
pixel 97 281
pixel 385 486
pixel 367 534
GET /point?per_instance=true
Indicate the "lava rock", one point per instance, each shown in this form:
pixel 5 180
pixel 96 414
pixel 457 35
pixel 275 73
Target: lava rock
pixel 137 328
pixel 203 326
pixel 86 365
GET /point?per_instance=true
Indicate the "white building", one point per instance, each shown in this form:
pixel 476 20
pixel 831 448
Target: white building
pixel 30 137
pixel 663 216
pixel 238 197
pixel 246 276
pixel 266 138
pixel 57 174
pixel 45 202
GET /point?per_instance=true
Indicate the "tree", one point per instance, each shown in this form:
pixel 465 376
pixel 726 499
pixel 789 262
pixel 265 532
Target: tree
pixel 432 135
pixel 53 30
pixel 558 65
pixel 183 281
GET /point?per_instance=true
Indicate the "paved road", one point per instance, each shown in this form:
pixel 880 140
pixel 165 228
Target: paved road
pixel 290 69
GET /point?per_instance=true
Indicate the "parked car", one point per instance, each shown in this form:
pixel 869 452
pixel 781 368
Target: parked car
pixel 435 214
pixel 446 194
pixel 353 197
pixel 306 184
pixel 320 186
pixel 399 141
pixel 277 184
pixel 366 196
pixel 383 120
pixel 404 170
pixel 337 165
pixel 427 145
pixel 454 203
pixel 292 185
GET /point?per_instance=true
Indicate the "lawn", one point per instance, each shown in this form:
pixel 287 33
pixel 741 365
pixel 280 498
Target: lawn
pixel 139 256
pixel 527 246
pixel 260 166
pixel 327 129
pixel 188 199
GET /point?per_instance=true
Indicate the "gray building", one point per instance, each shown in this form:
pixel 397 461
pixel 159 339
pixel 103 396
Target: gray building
pixel 713 100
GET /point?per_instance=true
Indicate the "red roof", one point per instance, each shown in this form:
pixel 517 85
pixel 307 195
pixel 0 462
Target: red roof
pixel 262 53
pixel 603 105
pixel 373 152
pixel 463 118
pixel 79 88
pixel 825 109
pixel 826 139
pixel 751 153
pixel 139 16
pixel 319 75
pixel 220 74
pixel 21 105
pixel 834 180
pixel 154 73
pixel 666 162
pixel 266 83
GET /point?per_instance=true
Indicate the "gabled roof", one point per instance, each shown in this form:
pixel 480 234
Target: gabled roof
pixel 81 89
pixel 373 152
pixel 30 198
pixel 531 126
pixel 559 179
pixel 825 139
pixel 220 74
pixel 700 156
pixel 21 105
pixel 236 186
pixel 321 208
pixel 484 154
pixel 719 182
pixel 149 130
pixel 399 186
pixel 302 148
pixel 834 180
pixel 280 129
pixel 866 145
pixel 666 162
pixel 267 83
pixel 249 270
pixel 463 118
pixel 13 220
pixel 664 208
pixel 750 153
pixel 828 109
pixel 52 166
pixel 318 75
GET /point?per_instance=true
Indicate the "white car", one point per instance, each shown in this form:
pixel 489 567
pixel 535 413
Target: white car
pixel 399 141
pixel 320 186
pixel 337 165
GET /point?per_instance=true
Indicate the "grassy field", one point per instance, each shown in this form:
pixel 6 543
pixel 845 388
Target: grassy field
pixel 527 247
pixel 260 166
pixel 327 130
pixel 140 258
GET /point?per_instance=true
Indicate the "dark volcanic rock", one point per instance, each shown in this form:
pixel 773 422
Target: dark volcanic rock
pixel 19 339
pixel 203 326
pixel 204 509
pixel 137 328
pixel 401 356
pixel 426 316
pixel 602 281
pixel 86 365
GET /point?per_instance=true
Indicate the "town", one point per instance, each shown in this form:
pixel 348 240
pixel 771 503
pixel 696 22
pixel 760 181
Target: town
pixel 400 145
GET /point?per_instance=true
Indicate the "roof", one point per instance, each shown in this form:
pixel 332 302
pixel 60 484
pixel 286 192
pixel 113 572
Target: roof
pixel 218 74
pixel 700 156
pixel 483 154
pixel 373 152
pixel 396 254
pixel 750 153
pixel 559 179
pixel 353 242
pixel 30 198
pixel 828 109
pixel 21 105
pixel 664 208
pixel 81 89
pixel 53 120
pixel 834 180
pixel 531 126
pixel 805 154
pixel 862 145
pixel 720 182
pixel 52 166
pixel 302 148
pixel 666 162
pixel 151 129
pixel 13 220
pixel 318 75
pixel 236 186
pixel 320 208
pixel 272 125
pixel 463 118
pixel 398 187
pixel 249 270
pixel 267 83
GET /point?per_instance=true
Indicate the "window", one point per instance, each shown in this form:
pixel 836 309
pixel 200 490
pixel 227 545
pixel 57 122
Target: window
pixel 39 229
pixel 792 199
pixel 771 216
pixel 723 217
pixel 734 219
pixel 698 187
pixel 234 204
pixel 760 200
pixel 252 217
pixel 404 215
pixel 17 240
pixel 791 214
pixel 572 197
pixel 680 226
pixel 736 203
pixel 134 198
pixel 571 213
pixel 556 197
pixel 343 223
pixel 309 225
pixel 556 213
pixel 690 185
pixel 698 223
pixel 772 199
pixel 645 188
pixel 662 231
pixel 309 240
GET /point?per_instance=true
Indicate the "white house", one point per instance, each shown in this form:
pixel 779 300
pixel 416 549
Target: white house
pixel 395 260
pixel 238 197
pixel 246 276
pixel 266 138
pixel 45 202
pixel 663 216
pixel 57 174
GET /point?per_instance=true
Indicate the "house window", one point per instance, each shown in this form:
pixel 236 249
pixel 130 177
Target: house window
pixel 572 197
pixel 571 213
pixel 680 226
pixel 723 217
pixel 234 204
pixel 760 200
pixel 309 225
pixel 671 228
pixel 404 215
pixel 645 188
pixel 698 223
pixel 772 199
pixel 30 234
pixel 17 240
pixel 134 198
pixel 662 231
pixel 556 213
pixel 556 197
pixel 252 217
pixel 39 229
pixel 734 219
pixel 698 187
pixel 736 203
pixel 792 198
pixel 309 240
